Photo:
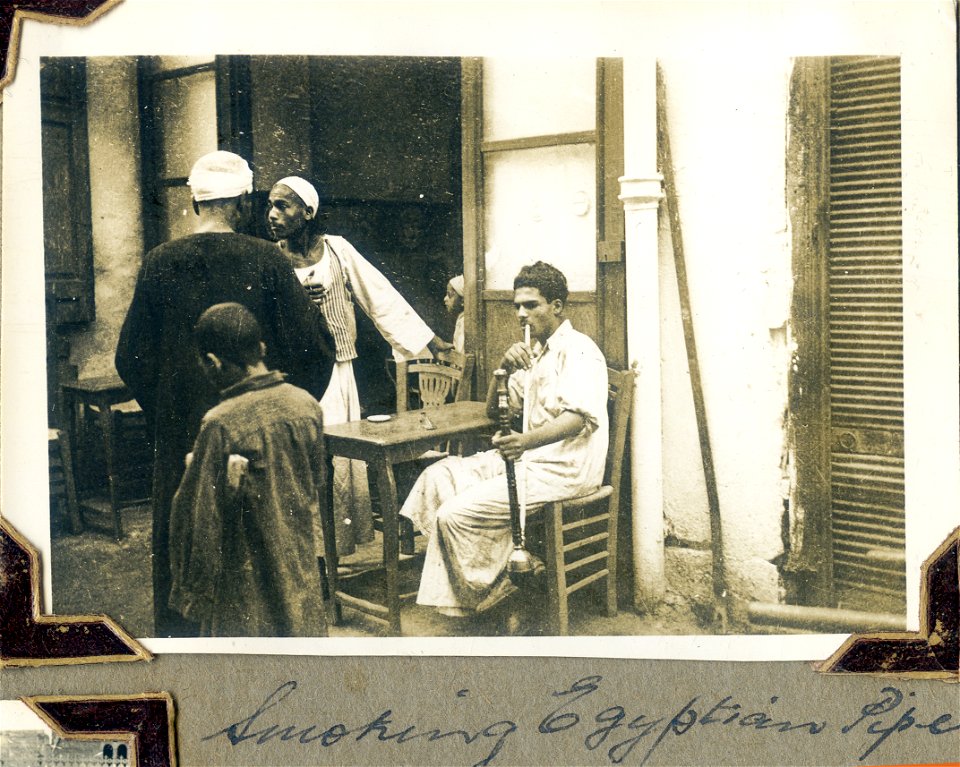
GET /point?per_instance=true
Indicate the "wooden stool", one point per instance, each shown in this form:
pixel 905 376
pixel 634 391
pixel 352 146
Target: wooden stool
pixel 99 395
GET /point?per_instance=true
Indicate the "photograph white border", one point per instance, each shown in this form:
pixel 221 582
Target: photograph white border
pixel 920 32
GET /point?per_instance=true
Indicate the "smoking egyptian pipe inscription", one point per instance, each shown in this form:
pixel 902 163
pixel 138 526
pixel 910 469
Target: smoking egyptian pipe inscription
pixel 582 712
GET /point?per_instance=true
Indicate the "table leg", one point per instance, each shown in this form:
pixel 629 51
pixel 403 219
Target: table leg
pixel 106 425
pixel 329 529
pixel 387 487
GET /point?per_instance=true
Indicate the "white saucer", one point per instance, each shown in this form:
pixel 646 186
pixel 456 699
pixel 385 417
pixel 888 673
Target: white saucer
pixel 378 418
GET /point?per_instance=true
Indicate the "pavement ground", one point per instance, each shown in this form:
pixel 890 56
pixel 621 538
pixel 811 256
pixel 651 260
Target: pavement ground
pixel 94 573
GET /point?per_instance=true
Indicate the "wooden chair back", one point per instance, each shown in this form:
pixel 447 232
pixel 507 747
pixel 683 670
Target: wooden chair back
pixel 437 381
pixel 620 384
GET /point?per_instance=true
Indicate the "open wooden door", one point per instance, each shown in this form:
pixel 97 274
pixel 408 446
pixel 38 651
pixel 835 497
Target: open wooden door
pixel 537 175
pixel 542 158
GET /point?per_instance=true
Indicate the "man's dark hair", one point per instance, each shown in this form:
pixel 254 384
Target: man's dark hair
pixel 546 278
pixel 231 332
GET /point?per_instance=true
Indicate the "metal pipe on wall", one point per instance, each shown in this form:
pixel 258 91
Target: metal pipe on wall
pixel 640 192
pixel 822 618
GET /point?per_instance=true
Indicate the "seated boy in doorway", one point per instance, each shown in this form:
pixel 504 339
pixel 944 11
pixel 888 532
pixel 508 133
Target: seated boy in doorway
pixel 245 520
pixel 453 300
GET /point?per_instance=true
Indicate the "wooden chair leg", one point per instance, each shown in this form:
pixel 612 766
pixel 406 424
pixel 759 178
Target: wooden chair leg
pixel 612 590
pixel 612 563
pixel 556 577
pixel 108 426
pixel 407 534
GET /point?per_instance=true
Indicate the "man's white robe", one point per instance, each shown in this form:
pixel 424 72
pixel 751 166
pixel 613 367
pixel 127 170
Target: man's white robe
pixel 462 503
pixel 348 279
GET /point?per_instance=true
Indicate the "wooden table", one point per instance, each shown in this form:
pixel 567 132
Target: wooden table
pixel 381 445
pixel 102 393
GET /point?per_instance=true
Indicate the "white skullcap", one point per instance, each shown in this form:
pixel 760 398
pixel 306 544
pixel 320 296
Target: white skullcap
pixel 457 284
pixel 219 176
pixel 304 189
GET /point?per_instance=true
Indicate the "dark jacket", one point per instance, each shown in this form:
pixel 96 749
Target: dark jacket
pixel 243 544
pixel 158 359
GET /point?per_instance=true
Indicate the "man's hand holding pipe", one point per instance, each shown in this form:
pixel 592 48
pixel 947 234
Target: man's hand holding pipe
pixel 517 357
pixel 514 444
pixel 511 446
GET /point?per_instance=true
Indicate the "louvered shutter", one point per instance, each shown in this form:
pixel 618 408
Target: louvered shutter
pixel 67 239
pixel 864 284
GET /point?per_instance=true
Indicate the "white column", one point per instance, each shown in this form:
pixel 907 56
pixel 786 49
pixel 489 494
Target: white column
pixel 641 191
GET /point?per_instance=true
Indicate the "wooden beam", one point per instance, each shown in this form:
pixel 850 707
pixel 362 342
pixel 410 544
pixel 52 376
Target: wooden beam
pixel 471 90
pixel 809 565
pixel 537 142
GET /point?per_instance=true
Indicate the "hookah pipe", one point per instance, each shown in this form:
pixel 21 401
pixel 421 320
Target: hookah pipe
pixel 522 566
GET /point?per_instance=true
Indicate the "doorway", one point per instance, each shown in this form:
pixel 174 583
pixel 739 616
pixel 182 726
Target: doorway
pixel 378 136
pixel 385 154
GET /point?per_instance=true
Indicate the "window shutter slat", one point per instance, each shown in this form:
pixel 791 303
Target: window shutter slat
pixel 865 327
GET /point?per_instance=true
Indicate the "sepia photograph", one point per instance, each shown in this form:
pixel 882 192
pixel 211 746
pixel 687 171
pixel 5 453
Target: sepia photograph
pixel 243 178
pixel 472 347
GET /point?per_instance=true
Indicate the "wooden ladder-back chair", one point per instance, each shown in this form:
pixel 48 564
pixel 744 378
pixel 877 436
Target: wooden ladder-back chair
pixel 445 379
pixel 580 534
pixel 438 381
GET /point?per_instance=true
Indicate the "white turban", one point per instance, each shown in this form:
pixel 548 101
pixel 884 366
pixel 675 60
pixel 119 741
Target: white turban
pixel 304 189
pixel 220 176
pixel 457 284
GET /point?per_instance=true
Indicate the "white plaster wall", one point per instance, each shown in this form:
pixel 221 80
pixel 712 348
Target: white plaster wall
pixel 728 137
pixel 116 209
pixel 931 344
pixel 684 488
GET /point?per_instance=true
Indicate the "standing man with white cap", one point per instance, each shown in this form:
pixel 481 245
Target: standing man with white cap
pixel 336 277
pixel 157 356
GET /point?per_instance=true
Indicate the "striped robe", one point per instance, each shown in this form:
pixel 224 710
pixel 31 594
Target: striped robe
pixel 350 279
